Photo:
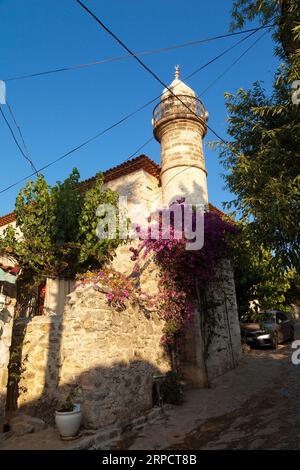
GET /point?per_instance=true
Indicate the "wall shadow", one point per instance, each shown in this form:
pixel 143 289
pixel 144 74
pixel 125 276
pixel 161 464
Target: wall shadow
pixel 123 409
pixel 19 329
pixel 109 396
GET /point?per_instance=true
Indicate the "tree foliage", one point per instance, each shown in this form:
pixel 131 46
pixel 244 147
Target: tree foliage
pixel 262 158
pixel 263 167
pixel 284 14
pixel 58 227
pixel 259 282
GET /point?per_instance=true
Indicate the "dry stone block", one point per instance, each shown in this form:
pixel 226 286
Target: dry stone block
pixel 25 424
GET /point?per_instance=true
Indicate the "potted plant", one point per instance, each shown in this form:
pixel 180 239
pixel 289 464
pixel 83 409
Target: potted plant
pixel 68 419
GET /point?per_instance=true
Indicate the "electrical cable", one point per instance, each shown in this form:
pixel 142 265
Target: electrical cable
pixel 114 59
pixel 154 75
pixel 16 141
pixel 86 142
pixel 21 136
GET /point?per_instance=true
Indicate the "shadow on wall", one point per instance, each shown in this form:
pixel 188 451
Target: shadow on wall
pixel 109 396
pixel 5 318
pixel 104 357
pixel 258 369
pixel 17 358
pixel 190 192
pixel 6 324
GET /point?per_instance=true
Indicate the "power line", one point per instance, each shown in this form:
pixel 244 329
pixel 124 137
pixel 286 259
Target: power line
pixel 22 138
pixel 83 144
pixel 154 75
pixel 220 76
pixel 227 50
pixel 214 81
pixel 211 84
pixel 16 140
pixel 139 149
pixel 147 68
pixel 125 118
pixel 12 132
pixel 129 56
pixel 233 63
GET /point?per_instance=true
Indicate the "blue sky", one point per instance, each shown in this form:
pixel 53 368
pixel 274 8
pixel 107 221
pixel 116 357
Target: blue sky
pixel 57 112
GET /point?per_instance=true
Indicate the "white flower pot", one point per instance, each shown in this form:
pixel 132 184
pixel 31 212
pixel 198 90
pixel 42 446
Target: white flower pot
pixel 68 422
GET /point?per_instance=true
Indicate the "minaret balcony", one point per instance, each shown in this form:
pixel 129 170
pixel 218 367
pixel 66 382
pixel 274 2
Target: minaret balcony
pixel 173 108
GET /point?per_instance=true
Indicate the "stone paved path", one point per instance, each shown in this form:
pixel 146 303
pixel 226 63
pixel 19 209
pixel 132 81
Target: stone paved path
pixel 255 406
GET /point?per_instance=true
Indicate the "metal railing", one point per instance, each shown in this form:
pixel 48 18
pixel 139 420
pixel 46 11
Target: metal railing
pixel 172 105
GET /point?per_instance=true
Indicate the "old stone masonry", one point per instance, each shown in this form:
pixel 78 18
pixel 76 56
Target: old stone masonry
pixel 105 356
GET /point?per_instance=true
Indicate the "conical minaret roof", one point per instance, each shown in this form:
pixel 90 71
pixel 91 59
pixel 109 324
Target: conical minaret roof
pixel 178 87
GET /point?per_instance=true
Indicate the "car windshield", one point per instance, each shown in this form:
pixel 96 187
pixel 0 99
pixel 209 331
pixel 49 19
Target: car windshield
pixel 266 317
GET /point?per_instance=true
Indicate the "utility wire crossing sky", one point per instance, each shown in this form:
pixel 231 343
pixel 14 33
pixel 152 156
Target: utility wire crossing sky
pixel 252 31
pixel 49 112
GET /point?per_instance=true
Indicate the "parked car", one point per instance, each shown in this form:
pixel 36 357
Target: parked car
pixel 271 328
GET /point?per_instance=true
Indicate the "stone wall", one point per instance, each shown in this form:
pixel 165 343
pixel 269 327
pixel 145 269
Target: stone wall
pixel 107 357
pixel 225 346
pixel 183 172
pixel 140 188
pixel 6 325
pixel 115 359
pixel 223 336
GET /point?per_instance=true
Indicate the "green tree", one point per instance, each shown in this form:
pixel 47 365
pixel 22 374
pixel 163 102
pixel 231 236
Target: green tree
pixel 284 13
pixel 93 251
pixel 258 280
pixel 262 158
pixel 58 227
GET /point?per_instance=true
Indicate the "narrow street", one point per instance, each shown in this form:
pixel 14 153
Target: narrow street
pixel 256 406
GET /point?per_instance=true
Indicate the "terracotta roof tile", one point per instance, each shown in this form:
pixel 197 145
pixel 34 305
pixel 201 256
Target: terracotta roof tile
pixel 141 162
pixel 7 219
pixel 213 208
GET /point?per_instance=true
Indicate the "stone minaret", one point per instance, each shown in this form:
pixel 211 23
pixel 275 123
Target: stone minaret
pixel 180 133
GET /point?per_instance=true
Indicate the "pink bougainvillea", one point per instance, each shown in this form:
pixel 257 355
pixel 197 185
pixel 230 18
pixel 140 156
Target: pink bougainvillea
pixel 118 286
pixel 181 271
